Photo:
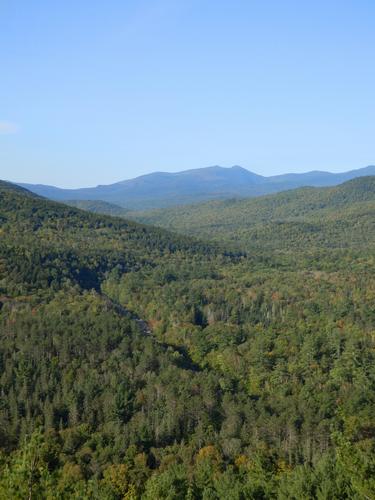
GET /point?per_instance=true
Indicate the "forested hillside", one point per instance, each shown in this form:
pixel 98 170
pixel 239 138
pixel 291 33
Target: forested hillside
pixel 342 216
pixel 98 207
pixel 136 363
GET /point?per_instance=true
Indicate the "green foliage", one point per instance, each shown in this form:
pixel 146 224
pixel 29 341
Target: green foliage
pixel 99 207
pixel 135 363
pixel 302 219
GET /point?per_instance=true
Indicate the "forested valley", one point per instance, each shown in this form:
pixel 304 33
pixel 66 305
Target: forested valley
pixel 291 222
pixel 235 361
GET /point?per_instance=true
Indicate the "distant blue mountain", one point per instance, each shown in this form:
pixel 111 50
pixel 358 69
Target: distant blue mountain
pixel 162 189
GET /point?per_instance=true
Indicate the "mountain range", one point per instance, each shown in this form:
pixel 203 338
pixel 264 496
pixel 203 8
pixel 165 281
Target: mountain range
pixel 162 189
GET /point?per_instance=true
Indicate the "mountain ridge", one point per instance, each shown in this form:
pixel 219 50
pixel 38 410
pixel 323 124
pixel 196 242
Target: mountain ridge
pixel 162 189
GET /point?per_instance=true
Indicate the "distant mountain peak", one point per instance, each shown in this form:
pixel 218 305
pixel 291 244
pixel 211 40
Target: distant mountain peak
pixel 238 167
pixel 161 189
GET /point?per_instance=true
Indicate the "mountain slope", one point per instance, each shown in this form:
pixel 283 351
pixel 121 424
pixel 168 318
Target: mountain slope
pixel 336 217
pixel 162 189
pixel 98 207
pixel 36 231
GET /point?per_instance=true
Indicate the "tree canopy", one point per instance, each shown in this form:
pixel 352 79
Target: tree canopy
pixel 138 363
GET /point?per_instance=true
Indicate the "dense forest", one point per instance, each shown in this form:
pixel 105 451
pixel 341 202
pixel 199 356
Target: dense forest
pixel 340 216
pixel 139 363
pixel 99 207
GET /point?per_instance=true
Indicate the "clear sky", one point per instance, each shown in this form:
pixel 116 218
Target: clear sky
pixel 93 91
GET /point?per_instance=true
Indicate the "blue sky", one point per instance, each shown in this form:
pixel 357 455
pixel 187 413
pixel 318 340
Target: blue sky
pixel 94 92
